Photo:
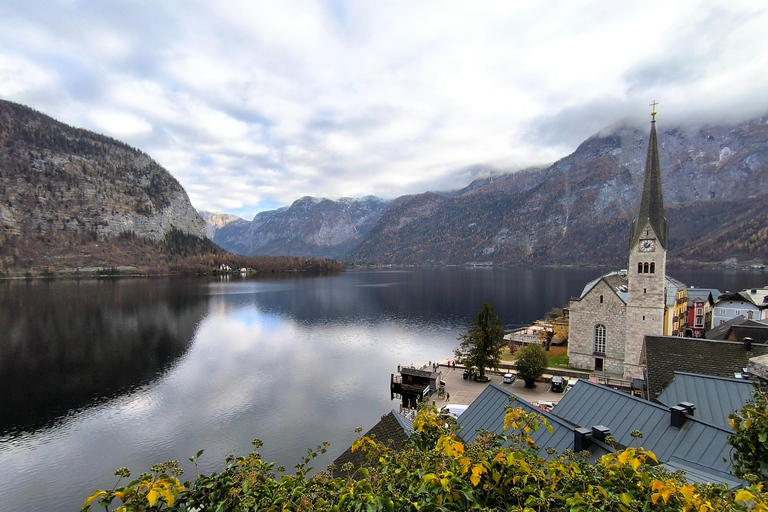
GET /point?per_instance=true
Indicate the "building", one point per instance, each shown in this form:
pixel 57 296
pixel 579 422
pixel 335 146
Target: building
pixel 752 303
pixel 700 303
pixel 614 312
pixel 412 385
pixel 676 309
pixel 666 355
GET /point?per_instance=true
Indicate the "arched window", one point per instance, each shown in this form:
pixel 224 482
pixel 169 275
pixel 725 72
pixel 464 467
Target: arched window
pixel 645 267
pixel 640 268
pixel 600 339
pixel 653 268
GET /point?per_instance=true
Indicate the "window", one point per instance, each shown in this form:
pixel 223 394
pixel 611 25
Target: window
pixel 640 268
pixel 645 267
pixel 601 299
pixel 600 339
pixel 653 268
pixel 699 311
pixel 598 364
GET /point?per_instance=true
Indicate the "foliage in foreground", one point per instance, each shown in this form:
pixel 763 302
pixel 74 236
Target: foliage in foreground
pixel 750 437
pixel 438 472
pixel 482 345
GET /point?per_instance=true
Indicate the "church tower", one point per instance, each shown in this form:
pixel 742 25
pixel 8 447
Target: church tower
pixel 646 273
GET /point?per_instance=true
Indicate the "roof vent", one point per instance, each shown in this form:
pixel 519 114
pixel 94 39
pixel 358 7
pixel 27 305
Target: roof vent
pixel 753 291
pixel 677 418
pixel 688 406
pixel 582 439
pixel 748 344
pixel 600 432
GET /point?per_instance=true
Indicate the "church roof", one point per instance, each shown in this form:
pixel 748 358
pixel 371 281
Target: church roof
pixel 616 281
pixel 652 200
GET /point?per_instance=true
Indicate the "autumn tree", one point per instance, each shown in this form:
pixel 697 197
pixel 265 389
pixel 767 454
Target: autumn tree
pixel 482 345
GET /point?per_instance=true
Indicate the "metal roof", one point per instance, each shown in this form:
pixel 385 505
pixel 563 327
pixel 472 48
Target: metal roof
pixel 487 412
pixel 714 397
pixel 665 355
pixel 673 286
pixel 698 445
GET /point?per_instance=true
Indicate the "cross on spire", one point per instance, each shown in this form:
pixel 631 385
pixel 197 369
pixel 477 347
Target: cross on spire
pixel 653 112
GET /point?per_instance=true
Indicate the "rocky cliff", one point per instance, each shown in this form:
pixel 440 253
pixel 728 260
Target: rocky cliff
pixel 214 221
pixel 578 211
pixel 65 190
pixel 59 179
pixel 309 227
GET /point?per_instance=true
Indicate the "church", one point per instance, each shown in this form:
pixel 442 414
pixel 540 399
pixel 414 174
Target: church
pixel 614 312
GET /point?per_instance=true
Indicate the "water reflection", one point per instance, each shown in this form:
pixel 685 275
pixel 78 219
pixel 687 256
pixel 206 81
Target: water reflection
pixel 68 345
pixel 142 371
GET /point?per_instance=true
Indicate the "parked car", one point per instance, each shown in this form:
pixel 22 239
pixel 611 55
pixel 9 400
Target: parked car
pixel 454 410
pixel 545 406
pixel 558 384
pixel 509 378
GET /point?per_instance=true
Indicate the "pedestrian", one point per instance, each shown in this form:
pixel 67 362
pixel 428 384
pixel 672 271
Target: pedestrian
pixel 447 397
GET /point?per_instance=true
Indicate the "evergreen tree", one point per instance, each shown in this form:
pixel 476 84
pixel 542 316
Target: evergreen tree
pixel 482 345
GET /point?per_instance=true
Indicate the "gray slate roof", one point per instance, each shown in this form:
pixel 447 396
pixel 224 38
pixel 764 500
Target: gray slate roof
pixel 705 294
pixel 714 397
pixel 697 447
pixel 665 355
pixel 616 281
pixel 487 412
pixel 722 331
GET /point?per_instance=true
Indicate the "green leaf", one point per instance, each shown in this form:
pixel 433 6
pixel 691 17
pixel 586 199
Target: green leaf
pixel 626 498
pixel 199 454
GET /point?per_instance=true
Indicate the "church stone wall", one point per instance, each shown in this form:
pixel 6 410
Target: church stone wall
pixel 584 315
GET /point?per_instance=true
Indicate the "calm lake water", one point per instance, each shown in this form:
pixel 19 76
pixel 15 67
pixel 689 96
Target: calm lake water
pixel 96 375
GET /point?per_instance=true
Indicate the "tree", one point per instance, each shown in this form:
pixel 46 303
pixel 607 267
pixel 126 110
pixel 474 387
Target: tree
pixel 531 364
pixel 481 346
pixel 750 437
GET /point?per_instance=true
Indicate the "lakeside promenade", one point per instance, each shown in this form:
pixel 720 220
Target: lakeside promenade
pixel 463 392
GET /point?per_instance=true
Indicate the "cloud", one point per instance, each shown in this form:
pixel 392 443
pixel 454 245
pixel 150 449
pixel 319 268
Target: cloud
pixel 252 105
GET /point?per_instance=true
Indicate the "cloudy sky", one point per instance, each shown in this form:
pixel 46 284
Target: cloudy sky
pixel 251 104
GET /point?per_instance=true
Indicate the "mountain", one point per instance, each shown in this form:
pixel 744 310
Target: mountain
pixel 309 227
pixel 66 192
pixel 579 210
pixel 214 221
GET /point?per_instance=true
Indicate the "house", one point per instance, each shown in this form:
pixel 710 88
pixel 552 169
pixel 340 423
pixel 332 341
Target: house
pixel 665 355
pixel 740 328
pixel 678 438
pixel 392 428
pixel 714 397
pixel 412 384
pixel 700 304
pixel 487 412
pixel 676 308
pixel 752 303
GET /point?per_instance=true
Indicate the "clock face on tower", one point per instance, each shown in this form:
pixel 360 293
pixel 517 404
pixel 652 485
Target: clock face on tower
pixel 647 245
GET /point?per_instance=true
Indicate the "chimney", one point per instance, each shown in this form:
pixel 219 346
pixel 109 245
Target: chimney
pixel 748 344
pixel 582 439
pixel 677 417
pixel 600 432
pixel 689 408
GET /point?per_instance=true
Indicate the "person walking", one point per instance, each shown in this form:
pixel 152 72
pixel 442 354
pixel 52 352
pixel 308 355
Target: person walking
pixel 447 397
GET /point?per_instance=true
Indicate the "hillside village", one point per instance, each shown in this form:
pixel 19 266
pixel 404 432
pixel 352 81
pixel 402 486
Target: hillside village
pixel 658 357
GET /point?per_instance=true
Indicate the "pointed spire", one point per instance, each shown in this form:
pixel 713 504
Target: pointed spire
pixel 652 199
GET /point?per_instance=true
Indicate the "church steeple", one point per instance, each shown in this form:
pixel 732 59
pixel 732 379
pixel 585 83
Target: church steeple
pixel 652 199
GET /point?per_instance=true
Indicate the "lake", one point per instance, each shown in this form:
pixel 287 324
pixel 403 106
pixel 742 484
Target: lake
pixel 100 374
